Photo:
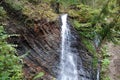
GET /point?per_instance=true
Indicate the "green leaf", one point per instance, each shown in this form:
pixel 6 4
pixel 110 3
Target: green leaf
pixel 10 68
pixel 1 29
pixel 105 62
pixel 39 75
pixel 24 55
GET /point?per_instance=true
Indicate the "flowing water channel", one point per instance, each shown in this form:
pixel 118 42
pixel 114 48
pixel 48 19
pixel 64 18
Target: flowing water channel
pixel 68 58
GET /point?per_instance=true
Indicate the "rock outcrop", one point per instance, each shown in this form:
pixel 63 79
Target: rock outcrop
pixel 41 43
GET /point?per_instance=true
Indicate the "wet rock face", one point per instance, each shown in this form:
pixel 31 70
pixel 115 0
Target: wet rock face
pixel 42 43
pixel 84 58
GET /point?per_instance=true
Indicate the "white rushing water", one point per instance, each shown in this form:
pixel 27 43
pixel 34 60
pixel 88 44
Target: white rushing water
pixel 68 58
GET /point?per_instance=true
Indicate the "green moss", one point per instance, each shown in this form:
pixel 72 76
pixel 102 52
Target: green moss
pixel 73 13
pixel 3 14
pixel 40 11
pixel 105 77
pixel 89 46
pixel 35 1
pixel 14 4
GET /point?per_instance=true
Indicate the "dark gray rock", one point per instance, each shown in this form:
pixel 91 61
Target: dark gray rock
pixel 42 43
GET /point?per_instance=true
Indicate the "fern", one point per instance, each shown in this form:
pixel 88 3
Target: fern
pixel 10 68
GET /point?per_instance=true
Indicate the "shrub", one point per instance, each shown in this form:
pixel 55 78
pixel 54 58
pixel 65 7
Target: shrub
pixel 10 67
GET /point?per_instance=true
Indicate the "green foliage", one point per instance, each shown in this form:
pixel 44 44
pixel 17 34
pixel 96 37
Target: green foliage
pixel 98 24
pixel 67 2
pixel 84 29
pixel 10 68
pixel 39 75
pixel 95 62
pixel 3 15
pixel 84 18
pixel 39 11
pixel 105 56
pixel 106 78
pixel 105 63
pixel 89 46
pixel 14 4
pixel 82 13
pixel 35 1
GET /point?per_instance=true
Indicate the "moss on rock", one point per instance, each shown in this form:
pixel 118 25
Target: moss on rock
pixel 3 15
pixel 39 11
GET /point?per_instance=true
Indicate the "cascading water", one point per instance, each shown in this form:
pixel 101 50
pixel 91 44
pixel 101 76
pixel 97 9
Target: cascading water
pixel 68 59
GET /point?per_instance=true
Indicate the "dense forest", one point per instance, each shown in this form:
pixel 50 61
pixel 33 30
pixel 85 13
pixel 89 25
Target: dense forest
pixel 30 38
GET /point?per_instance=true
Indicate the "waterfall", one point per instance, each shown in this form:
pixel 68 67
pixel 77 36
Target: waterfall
pixel 68 58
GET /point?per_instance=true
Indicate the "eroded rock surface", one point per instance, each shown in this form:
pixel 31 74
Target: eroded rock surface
pixel 114 67
pixel 40 39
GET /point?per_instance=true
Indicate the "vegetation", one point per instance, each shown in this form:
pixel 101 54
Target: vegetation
pixel 96 21
pixel 105 63
pixel 10 67
pixel 14 4
pixel 98 26
pixel 3 15
pixel 39 75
